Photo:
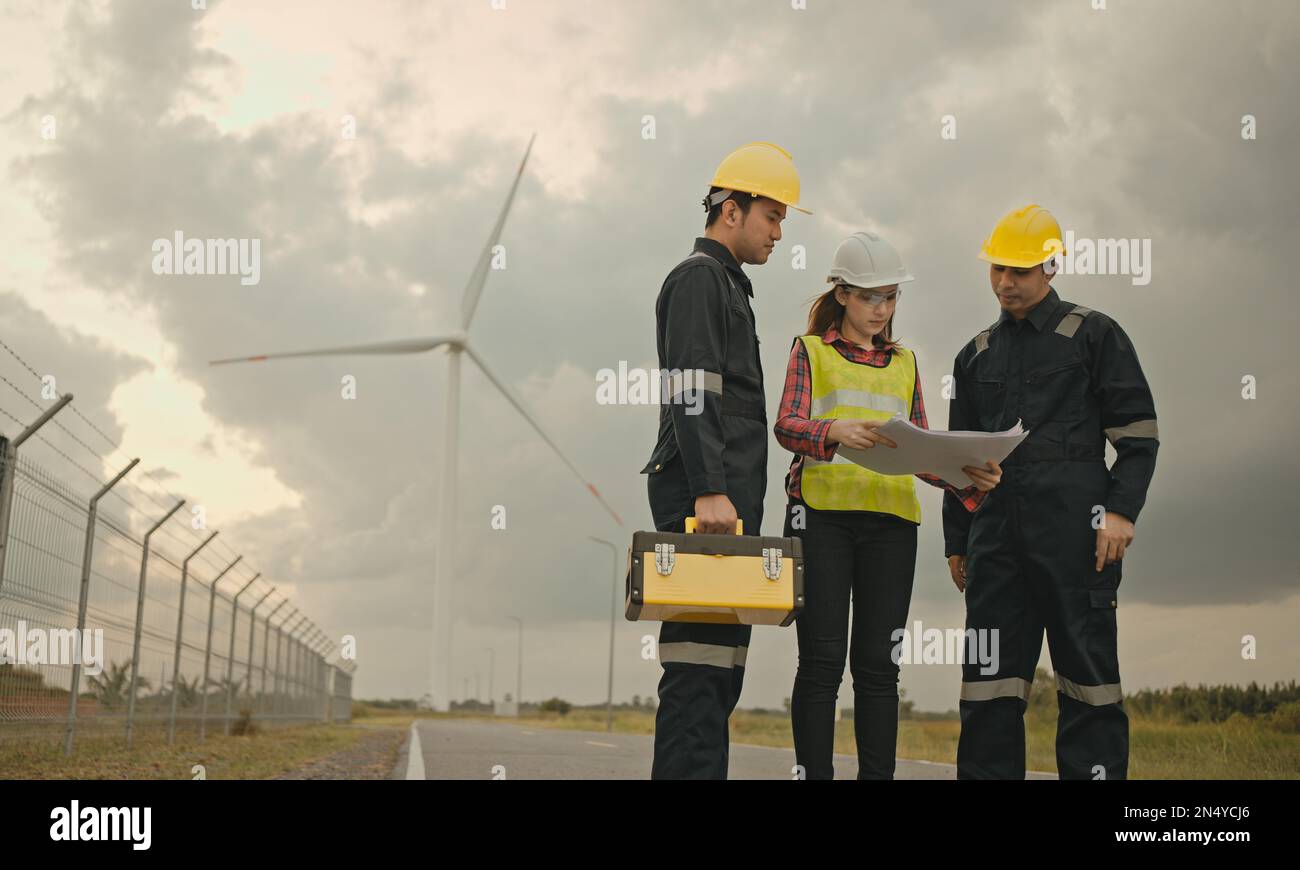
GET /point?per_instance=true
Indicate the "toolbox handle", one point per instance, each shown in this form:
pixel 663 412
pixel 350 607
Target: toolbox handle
pixel 690 526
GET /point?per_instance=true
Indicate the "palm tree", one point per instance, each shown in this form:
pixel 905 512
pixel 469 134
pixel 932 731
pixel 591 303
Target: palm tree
pixel 110 688
pixel 187 691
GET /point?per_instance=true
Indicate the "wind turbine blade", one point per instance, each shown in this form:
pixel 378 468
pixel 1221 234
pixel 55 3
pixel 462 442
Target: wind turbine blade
pixel 477 278
pixel 405 345
pixel 519 406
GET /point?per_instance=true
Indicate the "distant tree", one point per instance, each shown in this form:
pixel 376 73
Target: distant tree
pixel 556 705
pixel 1042 694
pixel 223 684
pixel 905 708
pixel 1203 703
pixel 187 691
pixel 15 680
pixel 111 687
pixel 1286 718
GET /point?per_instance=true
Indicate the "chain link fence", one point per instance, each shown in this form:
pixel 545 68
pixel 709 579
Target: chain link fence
pixel 174 639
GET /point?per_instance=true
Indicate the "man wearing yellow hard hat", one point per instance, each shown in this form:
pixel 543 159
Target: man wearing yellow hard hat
pixel 1044 551
pixel 712 465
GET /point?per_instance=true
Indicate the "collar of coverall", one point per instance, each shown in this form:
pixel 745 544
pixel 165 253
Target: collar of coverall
pixel 722 254
pixel 1039 314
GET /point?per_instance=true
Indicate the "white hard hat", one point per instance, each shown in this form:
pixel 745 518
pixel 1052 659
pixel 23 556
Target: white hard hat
pixel 867 260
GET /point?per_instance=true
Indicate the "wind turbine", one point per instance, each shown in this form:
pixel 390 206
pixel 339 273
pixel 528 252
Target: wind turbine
pixel 456 343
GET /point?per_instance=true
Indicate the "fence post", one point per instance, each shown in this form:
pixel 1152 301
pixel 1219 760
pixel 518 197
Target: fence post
pixel 295 670
pixel 349 670
pixel 139 619
pixel 308 655
pixel 313 692
pixel 309 671
pixel 275 672
pixel 317 686
pixel 75 689
pixel 252 633
pixel 9 470
pixel 276 700
pixel 327 681
pixel 299 659
pixel 321 688
pixel 266 648
pixel 180 630
pixel 207 651
pixel 281 699
pixel 329 675
pixel 230 655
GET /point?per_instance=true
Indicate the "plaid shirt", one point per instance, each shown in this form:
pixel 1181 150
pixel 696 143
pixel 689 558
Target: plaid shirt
pixel 805 437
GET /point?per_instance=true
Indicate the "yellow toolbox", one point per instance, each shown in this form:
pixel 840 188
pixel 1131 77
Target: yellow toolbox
pixel 730 579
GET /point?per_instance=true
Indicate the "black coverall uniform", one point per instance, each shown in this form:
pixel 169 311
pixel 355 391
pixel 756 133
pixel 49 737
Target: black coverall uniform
pixel 1073 377
pixel 704 322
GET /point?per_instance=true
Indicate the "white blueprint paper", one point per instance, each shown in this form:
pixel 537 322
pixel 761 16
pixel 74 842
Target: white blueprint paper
pixel 939 453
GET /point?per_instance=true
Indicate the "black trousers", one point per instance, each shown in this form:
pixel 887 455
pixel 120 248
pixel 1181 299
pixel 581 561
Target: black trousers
pixel 869 558
pixel 703 664
pixel 1030 570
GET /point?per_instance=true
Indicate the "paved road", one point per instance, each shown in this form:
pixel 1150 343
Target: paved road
pixel 475 749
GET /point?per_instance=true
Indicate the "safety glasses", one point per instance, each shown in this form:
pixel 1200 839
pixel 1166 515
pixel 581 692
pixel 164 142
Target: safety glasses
pixel 871 297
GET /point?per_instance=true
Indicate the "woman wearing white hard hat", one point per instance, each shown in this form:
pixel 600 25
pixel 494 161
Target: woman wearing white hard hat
pixel 847 375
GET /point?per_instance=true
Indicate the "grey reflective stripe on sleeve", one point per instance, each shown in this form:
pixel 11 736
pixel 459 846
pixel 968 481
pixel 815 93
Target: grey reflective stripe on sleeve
pixel 1136 429
pixel 1070 323
pixel 693 379
pixel 856 399
pixel 987 690
pixel 981 342
pixel 1097 696
pixel 691 653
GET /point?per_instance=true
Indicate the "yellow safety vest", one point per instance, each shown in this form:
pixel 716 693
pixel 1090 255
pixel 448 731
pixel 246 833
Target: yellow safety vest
pixel 847 390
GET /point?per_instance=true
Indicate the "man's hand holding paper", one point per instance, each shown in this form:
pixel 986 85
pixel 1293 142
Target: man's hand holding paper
pixel 956 457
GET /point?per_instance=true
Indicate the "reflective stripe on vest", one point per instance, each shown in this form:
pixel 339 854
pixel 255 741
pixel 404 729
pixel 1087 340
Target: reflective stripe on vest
pixel 847 390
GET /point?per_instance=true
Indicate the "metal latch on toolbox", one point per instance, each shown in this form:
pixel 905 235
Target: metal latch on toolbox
pixel 772 563
pixel 665 558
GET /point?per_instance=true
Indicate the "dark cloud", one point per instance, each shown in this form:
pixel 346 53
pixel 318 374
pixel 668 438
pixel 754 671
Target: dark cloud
pixel 1126 122
pixel 76 364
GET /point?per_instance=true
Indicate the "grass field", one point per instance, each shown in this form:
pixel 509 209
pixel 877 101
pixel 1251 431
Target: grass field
pixel 1240 748
pixel 270 752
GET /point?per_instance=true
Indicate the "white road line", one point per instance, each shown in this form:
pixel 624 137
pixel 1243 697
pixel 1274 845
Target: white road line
pixel 415 757
pixel 598 743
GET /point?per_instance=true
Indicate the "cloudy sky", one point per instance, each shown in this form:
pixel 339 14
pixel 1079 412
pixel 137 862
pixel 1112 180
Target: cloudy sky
pixel 232 121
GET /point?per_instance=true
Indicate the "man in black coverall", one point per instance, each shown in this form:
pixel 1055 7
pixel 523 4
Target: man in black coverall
pixel 710 460
pixel 1044 550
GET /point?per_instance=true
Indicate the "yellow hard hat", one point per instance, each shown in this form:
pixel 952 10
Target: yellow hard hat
pixel 759 168
pixel 1023 238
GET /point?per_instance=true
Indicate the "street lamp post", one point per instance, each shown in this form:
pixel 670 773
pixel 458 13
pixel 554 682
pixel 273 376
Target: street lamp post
pixel 519 679
pixel 613 616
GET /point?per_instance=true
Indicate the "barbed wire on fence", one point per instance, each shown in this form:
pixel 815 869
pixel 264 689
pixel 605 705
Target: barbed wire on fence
pixel 215 664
